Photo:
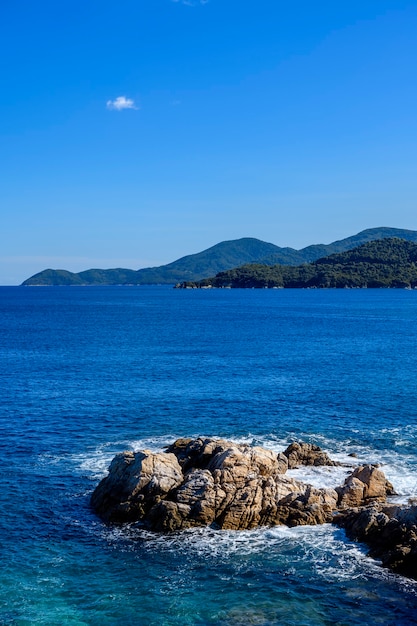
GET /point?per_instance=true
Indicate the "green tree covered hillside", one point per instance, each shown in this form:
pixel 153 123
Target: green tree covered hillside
pixel 382 263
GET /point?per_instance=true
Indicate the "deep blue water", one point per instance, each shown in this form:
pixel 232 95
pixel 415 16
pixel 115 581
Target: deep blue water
pixel 88 372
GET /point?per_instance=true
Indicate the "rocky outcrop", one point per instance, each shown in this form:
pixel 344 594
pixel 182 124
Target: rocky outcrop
pixel 214 482
pixel 364 485
pixel 200 452
pixel 390 532
pixel 205 481
pixel 307 454
pixel 136 482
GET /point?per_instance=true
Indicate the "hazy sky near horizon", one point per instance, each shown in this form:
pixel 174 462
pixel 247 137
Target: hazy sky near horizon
pixel 136 132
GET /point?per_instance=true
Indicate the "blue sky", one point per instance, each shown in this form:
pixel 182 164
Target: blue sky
pixel 134 133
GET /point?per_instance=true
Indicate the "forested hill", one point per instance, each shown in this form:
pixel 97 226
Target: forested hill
pixel 383 263
pixel 223 256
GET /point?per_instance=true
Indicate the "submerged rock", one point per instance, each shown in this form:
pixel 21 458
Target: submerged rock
pixel 206 481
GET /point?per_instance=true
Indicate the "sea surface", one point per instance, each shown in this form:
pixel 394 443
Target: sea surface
pixel 86 372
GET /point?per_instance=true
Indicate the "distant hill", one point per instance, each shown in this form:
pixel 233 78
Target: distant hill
pixel 223 256
pixel 388 262
pixel 317 251
pixel 192 267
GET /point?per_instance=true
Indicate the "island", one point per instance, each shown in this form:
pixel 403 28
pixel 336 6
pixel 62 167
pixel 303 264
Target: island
pixel 384 263
pixel 223 256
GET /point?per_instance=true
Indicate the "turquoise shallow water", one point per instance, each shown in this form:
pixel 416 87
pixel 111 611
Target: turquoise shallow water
pixel 88 372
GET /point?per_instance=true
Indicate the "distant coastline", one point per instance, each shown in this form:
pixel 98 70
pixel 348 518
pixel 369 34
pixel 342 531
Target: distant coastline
pixel 385 263
pixel 222 257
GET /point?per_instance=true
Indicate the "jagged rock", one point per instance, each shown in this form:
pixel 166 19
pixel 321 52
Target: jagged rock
pixel 229 485
pixel 365 484
pixel 206 481
pixel 167 516
pixel 199 453
pixel 313 506
pixel 389 531
pixel 307 454
pixel 136 481
pixel 282 462
pixel 179 448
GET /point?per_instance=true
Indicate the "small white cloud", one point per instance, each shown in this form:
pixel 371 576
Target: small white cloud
pixel 121 103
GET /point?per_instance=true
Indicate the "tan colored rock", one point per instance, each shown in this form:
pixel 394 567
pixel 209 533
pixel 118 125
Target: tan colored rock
pixel 179 448
pixel 308 507
pixel 244 461
pixel 365 484
pixel 199 453
pixel 200 494
pixel 306 454
pixel 351 493
pixel 134 483
pixel 204 481
pixel 282 463
pixel 376 484
pixel 230 493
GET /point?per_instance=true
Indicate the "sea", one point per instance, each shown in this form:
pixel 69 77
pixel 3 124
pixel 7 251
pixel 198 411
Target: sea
pixel 87 372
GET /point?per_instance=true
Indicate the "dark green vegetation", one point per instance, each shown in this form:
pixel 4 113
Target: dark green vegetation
pixel 221 257
pixel 382 263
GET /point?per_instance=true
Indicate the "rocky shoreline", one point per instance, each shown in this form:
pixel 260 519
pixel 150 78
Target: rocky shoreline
pixel 218 483
pixel 390 532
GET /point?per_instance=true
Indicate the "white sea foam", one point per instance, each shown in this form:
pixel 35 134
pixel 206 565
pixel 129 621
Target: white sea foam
pixel 400 469
pixel 323 550
pixel 320 477
pixel 95 462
